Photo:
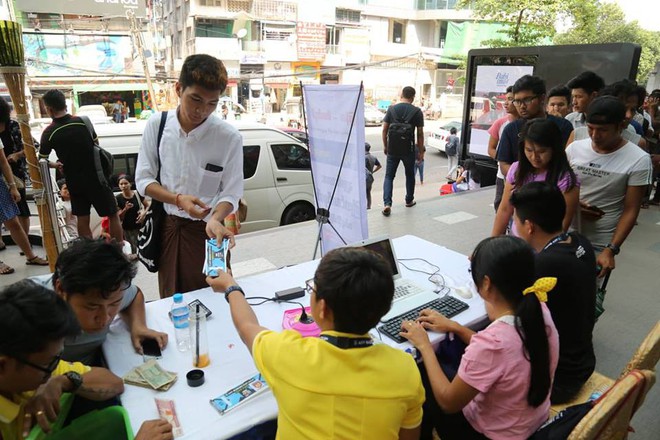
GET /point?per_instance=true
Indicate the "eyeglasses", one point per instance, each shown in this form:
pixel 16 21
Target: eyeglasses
pixel 309 286
pixel 525 101
pixel 47 370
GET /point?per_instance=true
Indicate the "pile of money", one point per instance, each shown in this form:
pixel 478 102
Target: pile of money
pixel 151 375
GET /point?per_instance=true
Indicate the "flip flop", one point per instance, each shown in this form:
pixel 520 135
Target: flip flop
pixel 3 246
pixel 5 270
pixel 36 261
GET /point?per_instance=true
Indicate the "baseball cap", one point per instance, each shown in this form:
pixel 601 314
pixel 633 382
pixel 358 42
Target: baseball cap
pixel 606 110
pixel 367 146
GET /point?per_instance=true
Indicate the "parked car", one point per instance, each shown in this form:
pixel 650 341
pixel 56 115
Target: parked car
pixel 438 138
pixel 96 113
pixel 300 135
pixel 372 116
pixel 276 170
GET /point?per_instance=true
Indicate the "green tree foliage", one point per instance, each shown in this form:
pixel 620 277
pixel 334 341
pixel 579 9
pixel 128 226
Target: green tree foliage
pixel 606 23
pixel 527 22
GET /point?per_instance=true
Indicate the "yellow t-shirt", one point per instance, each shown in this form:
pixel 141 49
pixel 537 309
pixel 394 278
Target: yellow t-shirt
pixel 325 392
pixel 11 411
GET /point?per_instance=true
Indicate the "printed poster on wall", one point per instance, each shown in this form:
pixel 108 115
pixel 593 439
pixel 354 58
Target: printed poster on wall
pixel 330 109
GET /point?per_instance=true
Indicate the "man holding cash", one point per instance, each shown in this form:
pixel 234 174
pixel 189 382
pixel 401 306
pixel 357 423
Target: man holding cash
pixel 95 277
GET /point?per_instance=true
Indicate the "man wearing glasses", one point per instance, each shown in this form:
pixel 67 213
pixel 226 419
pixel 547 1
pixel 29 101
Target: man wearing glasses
pixel 94 277
pixel 33 377
pixel 529 99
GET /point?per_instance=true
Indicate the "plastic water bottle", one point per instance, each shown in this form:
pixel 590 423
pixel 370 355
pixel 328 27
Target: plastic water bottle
pixel 180 315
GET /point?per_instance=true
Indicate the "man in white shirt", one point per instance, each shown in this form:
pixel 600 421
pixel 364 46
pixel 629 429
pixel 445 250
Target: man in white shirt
pixel 614 175
pixel 201 174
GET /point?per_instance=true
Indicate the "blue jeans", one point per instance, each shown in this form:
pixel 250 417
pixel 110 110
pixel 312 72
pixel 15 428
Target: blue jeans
pixel 419 168
pixel 390 172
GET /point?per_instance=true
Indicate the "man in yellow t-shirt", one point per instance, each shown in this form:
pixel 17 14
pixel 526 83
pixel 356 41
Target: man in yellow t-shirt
pixel 340 385
pixel 35 322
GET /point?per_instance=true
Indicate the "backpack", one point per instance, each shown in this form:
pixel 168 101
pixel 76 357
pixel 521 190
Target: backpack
pixel 401 134
pixel 103 160
pixel 451 147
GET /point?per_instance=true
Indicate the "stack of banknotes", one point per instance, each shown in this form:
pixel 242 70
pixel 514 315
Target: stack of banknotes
pixel 151 375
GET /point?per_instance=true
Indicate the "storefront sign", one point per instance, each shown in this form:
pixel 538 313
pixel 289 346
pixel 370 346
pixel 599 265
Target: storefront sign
pixel 84 7
pixel 311 40
pixel 306 72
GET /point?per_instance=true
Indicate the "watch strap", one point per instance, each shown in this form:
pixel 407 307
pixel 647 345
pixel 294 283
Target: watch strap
pixel 75 379
pixel 614 248
pixel 231 289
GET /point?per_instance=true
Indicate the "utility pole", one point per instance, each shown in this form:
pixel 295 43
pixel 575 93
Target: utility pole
pixel 139 44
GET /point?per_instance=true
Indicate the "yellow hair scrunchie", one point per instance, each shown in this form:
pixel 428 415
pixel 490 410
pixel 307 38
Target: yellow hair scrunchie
pixel 541 288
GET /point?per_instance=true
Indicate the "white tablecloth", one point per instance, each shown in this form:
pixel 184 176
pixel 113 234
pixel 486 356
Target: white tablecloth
pixel 231 362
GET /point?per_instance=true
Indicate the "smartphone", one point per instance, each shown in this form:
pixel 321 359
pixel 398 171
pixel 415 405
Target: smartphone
pixel 596 209
pixel 151 349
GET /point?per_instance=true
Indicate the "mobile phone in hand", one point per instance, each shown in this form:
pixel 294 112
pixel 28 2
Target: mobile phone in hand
pixel 151 349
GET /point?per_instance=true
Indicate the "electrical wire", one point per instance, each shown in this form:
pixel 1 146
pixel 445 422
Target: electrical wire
pixel 435 277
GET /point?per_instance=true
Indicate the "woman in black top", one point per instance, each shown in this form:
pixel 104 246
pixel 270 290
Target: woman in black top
pixel 132 210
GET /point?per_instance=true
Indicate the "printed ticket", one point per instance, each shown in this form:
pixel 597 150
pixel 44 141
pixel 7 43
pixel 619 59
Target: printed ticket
pixel 239 394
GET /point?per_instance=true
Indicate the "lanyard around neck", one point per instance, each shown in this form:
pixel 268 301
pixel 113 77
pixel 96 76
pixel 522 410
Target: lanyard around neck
pixel 346 343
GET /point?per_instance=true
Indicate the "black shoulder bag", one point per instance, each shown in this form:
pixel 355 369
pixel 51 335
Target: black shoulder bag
pixel 149 236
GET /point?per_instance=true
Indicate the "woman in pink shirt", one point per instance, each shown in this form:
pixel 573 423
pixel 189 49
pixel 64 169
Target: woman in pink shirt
pixel 541 158
pixel 502 387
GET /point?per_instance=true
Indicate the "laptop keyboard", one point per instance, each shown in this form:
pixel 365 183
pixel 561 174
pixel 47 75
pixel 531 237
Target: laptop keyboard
pixel 447 306
pixel 404 290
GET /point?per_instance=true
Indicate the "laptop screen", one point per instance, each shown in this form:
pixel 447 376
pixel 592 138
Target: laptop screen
pixel 384 249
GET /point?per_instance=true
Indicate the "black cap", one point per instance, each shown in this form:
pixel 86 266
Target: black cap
pixel 606 110
pixel 367 146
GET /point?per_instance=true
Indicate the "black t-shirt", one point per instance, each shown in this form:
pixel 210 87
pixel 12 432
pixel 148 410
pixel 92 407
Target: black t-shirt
pixel 13 143
pixel 572 304
pixel 405 112
pixel 129 222
pixel 507 149
pixel 74 146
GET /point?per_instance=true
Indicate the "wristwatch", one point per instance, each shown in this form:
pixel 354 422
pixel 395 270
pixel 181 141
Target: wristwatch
pixel 231 289
pixel 75 379
pixel 614 248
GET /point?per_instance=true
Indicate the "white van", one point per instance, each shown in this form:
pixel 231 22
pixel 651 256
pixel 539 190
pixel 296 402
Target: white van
pixel 276 169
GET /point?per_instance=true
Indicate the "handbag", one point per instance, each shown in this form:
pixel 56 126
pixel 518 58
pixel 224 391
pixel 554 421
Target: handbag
pixel 18 181
pixel 149 235
pixel 561 425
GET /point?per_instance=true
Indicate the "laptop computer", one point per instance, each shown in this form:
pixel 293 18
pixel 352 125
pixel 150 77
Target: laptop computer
pixel 407 294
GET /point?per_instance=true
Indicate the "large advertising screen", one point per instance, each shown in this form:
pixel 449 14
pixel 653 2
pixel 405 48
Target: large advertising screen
pixel 487 101
pixel 85 7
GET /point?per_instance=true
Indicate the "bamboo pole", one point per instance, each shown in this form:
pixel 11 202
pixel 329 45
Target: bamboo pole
pixel 13 70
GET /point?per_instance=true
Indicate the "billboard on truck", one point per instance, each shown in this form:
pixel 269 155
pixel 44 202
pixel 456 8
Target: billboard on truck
pixel 491 71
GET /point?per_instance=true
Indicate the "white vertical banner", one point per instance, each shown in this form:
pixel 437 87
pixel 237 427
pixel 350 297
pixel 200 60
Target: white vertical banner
pixel 331 110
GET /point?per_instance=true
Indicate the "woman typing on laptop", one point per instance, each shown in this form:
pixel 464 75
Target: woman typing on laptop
pixel 502 387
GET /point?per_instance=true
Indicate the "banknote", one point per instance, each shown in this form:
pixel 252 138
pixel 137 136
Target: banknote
pixel 154 374
pixel 167 411
pixel 133 378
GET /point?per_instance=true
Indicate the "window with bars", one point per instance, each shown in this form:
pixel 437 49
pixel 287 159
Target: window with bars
pixel 239 5
pixel 347 16
pixel 275 10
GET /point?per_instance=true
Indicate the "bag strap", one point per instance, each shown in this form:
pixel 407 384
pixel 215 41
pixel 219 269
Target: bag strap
pixel 407 116
pixel 90 128
pixel 161 129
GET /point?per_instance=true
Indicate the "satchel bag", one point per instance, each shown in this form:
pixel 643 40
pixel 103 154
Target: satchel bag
pixel 149 236
pixel 104 163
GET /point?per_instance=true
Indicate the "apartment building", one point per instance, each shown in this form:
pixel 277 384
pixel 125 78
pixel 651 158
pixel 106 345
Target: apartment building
pixel 270 47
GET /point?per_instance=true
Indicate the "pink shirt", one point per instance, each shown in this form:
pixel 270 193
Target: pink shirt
pixel 496 129
pixel 564 184
pixel 495 365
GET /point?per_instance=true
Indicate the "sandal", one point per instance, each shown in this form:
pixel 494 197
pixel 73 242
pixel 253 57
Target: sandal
pixel 36 261
pixel 5 270
pixel 3 246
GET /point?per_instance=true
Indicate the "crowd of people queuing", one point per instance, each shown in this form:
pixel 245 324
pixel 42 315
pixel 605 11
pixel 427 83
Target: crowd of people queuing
pixel 570 189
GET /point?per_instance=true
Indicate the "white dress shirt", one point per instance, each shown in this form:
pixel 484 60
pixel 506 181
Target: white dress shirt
pixel 185 159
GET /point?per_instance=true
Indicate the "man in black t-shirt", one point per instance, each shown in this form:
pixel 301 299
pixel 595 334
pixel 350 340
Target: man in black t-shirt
pixel 539 209
pixel 403 112
pixel 74 144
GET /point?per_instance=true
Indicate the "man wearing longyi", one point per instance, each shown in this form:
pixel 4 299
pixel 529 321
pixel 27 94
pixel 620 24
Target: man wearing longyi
pixel 340 384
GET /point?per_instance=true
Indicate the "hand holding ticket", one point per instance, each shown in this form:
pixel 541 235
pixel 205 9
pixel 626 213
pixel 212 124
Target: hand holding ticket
pixel 216 257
